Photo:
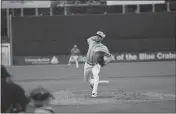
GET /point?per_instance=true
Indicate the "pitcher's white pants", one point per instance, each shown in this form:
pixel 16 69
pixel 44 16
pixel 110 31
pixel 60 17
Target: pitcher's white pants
pixel 92 72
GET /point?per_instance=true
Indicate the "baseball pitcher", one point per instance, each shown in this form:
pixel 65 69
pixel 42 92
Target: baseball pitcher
pixel 97 56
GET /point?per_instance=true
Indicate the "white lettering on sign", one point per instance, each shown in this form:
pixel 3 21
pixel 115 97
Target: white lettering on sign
pixel 38 60
pixel 161 55
pixel 120 57
pixel 145 56
pixel 113 57
pixel 31 60
pixel 131 57
pixel 82 58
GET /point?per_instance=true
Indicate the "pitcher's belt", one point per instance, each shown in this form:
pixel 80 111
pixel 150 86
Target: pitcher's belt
pixel 90 63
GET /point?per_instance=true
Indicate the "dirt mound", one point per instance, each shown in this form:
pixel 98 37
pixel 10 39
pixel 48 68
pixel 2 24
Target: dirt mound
pixel 111 97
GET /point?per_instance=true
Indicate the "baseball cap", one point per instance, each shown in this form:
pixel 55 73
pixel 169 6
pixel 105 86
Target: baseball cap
pixel 100 33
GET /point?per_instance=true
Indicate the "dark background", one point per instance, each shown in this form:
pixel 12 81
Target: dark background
pixel 53 35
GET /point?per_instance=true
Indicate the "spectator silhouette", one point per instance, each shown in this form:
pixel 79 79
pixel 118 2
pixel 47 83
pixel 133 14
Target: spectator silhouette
pixel 13 99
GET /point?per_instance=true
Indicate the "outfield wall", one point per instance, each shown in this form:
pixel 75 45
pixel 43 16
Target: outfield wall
pixel 56 35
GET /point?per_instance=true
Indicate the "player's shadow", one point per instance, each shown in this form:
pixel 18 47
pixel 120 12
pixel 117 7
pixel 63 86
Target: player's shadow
pixel 105 97
pixel 99 97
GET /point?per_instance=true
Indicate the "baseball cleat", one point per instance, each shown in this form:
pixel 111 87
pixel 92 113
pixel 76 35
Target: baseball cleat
pixel 94 95
pixel 103 81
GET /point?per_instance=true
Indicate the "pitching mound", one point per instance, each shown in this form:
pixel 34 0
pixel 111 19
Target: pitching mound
pixel 111 97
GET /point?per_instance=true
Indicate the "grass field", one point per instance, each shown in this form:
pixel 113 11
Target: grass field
pixel 133 87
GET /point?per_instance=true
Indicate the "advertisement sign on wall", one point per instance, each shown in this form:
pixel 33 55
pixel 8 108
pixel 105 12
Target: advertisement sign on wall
pixel 117 57
pixel 152 56
pixel 35 60
pixel 113 2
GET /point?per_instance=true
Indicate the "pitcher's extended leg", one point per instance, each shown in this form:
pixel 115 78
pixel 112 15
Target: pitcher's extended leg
pixel 96 71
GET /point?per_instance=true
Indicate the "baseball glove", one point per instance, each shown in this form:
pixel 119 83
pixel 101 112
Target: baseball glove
pixel 101 61
pixel 99 57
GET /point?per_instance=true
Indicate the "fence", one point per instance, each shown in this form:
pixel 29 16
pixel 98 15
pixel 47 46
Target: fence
pixel 89 9
pixel 84 9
